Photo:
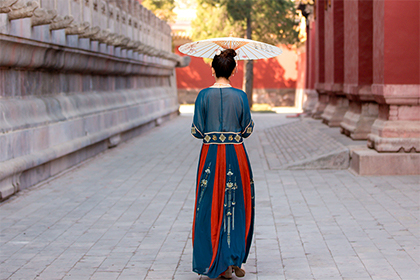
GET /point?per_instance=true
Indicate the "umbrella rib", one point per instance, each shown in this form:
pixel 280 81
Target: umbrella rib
pixel 203 50
pixel 265 54
pixel 255 55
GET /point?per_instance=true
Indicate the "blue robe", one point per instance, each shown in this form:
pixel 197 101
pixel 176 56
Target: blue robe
pixel 224 207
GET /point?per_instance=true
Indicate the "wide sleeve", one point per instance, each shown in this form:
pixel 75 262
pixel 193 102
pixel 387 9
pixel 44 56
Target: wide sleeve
pixel 247 123
pixel 198 125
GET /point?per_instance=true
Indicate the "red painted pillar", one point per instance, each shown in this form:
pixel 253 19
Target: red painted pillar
pixel 396 76
pixel 334 64
pixel 358 73
pixel 320 6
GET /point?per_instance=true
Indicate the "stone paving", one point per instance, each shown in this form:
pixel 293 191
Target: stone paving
pixel 297 145
pixel 127 214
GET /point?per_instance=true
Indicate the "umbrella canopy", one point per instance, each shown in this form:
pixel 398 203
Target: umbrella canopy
pixel 246 49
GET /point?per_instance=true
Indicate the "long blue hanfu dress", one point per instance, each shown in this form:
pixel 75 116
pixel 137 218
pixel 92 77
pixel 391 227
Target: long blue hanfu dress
pixel 224 206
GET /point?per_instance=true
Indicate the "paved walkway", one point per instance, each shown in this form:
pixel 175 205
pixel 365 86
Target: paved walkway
pixel 127 214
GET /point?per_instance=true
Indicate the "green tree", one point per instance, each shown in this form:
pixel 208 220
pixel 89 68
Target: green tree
pixel 163 9
pixel 269 21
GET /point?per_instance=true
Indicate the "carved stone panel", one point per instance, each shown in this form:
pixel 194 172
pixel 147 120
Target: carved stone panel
pixel 61 22
pixel 43 16
pixel 6 5
pixel 22 10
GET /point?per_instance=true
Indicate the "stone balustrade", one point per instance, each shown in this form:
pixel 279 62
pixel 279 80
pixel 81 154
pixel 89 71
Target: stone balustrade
pixel 78 77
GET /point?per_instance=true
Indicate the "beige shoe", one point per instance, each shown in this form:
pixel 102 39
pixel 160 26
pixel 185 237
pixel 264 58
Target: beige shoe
pixel 239 271
pixel 227 274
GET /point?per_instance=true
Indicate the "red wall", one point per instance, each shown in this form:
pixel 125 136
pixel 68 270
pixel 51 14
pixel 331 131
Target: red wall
pixel 273 73
pixel 401 44
pixel 396 46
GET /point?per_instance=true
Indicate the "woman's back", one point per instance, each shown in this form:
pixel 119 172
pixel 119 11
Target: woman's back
pixel 222 109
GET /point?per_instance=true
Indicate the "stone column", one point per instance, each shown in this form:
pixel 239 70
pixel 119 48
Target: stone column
pixel 334 64
pixel 320 6
pixel 396 76
pixel 358 61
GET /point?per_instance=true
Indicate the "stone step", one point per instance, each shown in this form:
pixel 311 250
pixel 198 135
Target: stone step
pixel 303 145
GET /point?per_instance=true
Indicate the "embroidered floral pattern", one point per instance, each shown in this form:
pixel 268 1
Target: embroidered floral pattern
pixel 230 202
pixel 203 185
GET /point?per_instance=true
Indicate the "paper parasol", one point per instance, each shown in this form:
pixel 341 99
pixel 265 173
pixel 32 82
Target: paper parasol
pixel 246 49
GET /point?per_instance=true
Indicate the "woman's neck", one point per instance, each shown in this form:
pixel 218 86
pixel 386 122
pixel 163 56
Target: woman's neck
pixel 222 81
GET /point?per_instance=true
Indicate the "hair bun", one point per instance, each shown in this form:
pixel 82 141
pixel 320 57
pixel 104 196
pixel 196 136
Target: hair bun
pixel 224 63
pixel 228 53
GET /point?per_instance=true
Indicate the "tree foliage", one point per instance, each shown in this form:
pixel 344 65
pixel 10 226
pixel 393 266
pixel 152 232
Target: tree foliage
pixel 269 21
pixel 212 21
pixel 272 21
pixel 163 9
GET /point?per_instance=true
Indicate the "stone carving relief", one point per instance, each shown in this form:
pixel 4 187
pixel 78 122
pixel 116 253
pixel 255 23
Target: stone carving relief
pixel 43 16
pixel 77 29
pixel 103 7
pixel 132 45
pixel 110 38
pixel 117 14
pixel 5 5
pixel 90 32
pixel 61 22
pixel 123 17
pixel 111 12
pixel 140 48
pixel 101 36
pixel 22 10
pixel 126 23
pixel 120 41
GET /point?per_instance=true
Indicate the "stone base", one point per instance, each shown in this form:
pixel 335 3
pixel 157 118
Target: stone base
pixel 320 105
pixel 365 161
pixel 395 136
pixel 334 113
pixel 357 122
pixel 311 98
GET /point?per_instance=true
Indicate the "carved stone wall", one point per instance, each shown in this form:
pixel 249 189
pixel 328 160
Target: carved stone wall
pixel 77 77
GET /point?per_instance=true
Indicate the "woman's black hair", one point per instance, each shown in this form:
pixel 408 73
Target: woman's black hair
pixel 224 63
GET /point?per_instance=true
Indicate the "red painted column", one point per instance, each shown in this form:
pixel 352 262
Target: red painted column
pixel 358 73
pixel 334 64
pixel 396 76
pixel 320 7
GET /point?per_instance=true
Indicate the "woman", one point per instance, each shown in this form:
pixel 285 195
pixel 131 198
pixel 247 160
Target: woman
pixel 224 206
